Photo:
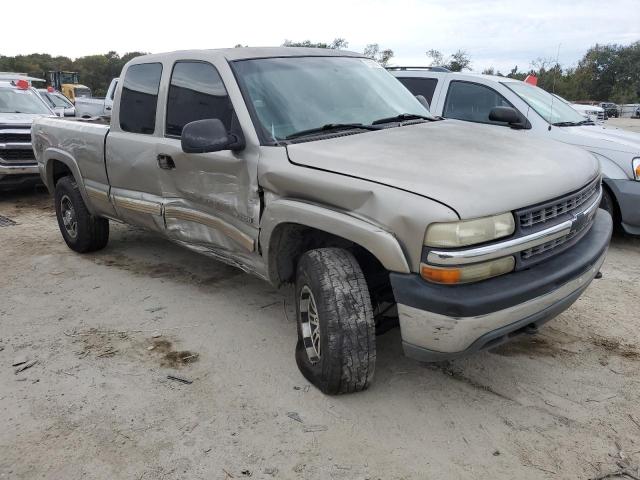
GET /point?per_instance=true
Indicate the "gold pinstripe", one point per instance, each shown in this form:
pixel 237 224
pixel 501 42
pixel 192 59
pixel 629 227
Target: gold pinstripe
pixel 229 230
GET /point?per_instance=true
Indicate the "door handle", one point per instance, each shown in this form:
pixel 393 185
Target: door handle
pixel 165 162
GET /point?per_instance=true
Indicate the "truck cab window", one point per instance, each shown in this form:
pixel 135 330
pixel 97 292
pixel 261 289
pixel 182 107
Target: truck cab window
pixel 196 92
pixel 139 98
pixel 472 102
pixel 420 86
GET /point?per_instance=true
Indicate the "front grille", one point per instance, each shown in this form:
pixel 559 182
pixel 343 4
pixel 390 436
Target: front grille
pixel 548 212
pixel 15 137
pixel 17 155
pixel 551 245
pixel 601 116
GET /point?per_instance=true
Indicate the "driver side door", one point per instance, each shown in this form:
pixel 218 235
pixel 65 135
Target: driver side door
pixel 211 200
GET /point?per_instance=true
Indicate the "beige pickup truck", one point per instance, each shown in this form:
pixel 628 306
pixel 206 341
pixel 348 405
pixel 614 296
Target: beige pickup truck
pixel 317 167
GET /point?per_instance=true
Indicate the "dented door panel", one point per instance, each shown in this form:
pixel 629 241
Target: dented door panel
pixel 211 199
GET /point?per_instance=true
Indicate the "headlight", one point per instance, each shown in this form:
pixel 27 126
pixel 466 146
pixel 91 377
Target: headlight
pixel 635 164
pixel 467 273
pixel 469 232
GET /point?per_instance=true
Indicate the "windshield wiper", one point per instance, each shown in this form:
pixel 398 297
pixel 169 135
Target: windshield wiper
pixel 568 124
pixel 328 127
pixel 400 118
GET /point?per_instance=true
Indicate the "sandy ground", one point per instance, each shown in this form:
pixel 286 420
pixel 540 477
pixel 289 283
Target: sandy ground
pixel 632 124
pixel 107 328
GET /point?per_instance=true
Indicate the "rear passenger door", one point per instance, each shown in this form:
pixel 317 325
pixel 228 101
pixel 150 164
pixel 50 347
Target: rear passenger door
pixel 131 149
pixel 211 200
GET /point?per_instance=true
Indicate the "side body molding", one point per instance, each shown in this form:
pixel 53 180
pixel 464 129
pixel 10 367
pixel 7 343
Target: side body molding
pixel 380 243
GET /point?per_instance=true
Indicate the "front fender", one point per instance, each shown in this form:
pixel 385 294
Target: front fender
pixel 610 168
pixel 380 243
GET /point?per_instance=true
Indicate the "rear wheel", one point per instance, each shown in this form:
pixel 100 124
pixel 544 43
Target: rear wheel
pixel 336 330
pixel 81 231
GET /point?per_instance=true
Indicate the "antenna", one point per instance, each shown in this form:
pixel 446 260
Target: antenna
pixel 553 85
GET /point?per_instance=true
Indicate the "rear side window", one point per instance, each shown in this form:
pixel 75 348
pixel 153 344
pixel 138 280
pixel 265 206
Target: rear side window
pixel 196 92
pixel 139 98
pixel 472 102
pixel 420 86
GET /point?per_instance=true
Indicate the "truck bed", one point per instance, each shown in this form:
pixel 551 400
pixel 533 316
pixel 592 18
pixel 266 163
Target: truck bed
pixel 76 141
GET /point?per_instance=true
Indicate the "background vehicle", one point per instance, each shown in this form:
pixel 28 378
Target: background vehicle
pixel 591 112
pixel 69 84
pixel 475 98
pixel 87 107
pixel 57 102
pixel 20 104
pixel 611 109
pixel 317 167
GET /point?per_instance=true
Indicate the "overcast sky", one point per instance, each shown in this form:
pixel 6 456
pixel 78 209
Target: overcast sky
pixel 495 33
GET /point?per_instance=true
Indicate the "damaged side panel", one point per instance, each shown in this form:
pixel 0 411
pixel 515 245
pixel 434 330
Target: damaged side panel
pixel 377 205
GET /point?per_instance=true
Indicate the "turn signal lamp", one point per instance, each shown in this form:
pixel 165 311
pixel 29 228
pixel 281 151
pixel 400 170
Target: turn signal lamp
pixel 467 273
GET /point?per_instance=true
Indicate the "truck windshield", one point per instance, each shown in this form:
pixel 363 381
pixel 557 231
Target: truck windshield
pixel 291 95
pixel 13 100
pixel 553 110
pixel 57 100
pixel 83 92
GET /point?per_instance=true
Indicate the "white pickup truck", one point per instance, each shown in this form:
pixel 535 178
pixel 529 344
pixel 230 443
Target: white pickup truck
pixel 531 111
pixel 20 105
pixel 317 167
pixel 87 107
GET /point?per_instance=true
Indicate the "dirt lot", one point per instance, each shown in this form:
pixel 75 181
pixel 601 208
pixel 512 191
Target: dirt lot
pixel 106 329
pixel 632 124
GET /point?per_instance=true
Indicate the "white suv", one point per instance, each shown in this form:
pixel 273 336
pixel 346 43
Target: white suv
pixel 530 110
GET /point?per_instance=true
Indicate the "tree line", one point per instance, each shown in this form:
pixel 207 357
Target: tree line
pixel 606 72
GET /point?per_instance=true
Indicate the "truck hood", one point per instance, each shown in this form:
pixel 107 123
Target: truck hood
pixel 585 108
pixel 477 170
pixel 599 136
pixel 20 118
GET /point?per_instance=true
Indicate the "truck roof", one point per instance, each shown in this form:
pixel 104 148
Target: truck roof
pixel 243 53
pixel 415 72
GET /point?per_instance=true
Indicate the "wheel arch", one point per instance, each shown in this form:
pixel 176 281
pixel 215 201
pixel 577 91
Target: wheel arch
pixel 289 228
pixel 58 163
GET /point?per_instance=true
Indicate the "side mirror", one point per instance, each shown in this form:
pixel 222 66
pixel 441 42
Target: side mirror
pixel 508 115
pixel 209 135
pixel 504 114
pixel 423 101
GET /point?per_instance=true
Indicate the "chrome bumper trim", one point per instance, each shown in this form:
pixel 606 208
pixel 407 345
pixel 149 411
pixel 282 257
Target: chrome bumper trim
pixel 18 169
pixel 509 247
pixel 442 333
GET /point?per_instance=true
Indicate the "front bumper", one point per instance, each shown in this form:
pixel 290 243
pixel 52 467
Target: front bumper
pixel 19 169
pixel 627 194
pixel 440 322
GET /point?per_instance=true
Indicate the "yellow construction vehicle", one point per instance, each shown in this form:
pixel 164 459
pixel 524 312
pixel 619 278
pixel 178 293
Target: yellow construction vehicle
pixel 69 84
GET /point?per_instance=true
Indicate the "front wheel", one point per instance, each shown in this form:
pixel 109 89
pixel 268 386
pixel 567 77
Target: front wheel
pixel 606 203
pixel 81 231
pixel 336 348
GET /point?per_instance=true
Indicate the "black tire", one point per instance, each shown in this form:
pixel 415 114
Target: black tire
pixel 347 333
pixel 608 204
pixel 91 233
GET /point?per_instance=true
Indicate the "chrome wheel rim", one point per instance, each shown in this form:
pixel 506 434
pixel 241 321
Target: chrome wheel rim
pixel 310 324
pixel 68 214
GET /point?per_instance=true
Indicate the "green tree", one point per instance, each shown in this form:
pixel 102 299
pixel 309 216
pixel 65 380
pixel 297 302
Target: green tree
pixel 373 51
pixel 456 62
pixel 336 44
